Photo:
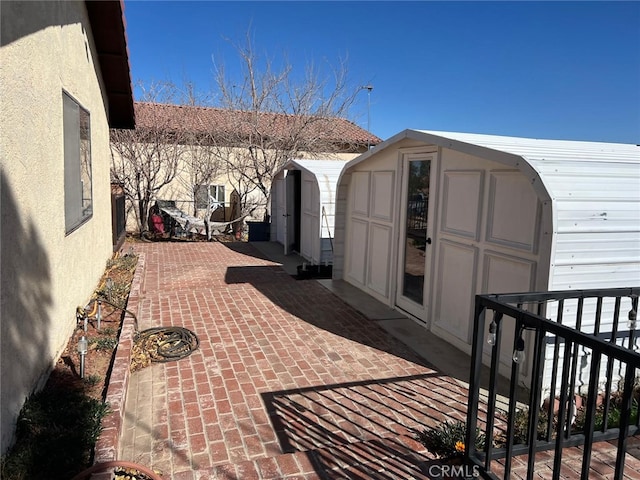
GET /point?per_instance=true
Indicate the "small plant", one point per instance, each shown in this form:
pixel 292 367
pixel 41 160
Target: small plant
pixel 104 343
pixel 92 380
pixel 447 439
pixel 108 331
pixel 521 426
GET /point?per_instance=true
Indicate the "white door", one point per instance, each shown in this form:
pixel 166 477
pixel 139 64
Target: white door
pixel 416 230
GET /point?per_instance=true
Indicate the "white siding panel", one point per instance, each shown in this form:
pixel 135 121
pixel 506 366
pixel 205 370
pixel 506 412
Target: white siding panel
pixel 382 195
pixel 606 275
pixel 513 211
pixel 356 270
pixel 306 236
pixel 308 188
pixel 504 273
pixel 569 313
pixel 462 203
pixel 598 216
pixel 455 288
pixel 360 193
pixel 379 248
pixel 595 248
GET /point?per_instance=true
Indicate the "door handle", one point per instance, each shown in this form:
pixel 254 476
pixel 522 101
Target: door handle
pixel 429 241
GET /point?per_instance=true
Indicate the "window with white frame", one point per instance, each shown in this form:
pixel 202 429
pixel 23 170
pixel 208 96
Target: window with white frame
pixel 78 196
pixel 209 195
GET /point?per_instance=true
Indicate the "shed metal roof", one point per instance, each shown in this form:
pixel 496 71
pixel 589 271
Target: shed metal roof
pixel 568 169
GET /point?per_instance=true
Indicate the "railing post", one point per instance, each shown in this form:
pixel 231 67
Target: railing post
pixel 590 413
pixel 625 414
pixel 513 400
pixel 534 397
pixel 610 362
pixel 562 407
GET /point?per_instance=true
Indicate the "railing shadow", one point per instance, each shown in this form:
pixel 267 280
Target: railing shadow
pixel 365 429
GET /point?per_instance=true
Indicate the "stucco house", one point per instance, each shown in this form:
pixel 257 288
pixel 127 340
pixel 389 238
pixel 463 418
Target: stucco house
pixel 65 79
pixel 427 220
pixel 217 150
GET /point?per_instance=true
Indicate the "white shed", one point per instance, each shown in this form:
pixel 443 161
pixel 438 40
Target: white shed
pixel 427 220
pixel 303 197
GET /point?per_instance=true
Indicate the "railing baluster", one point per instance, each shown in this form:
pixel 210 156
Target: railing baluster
pixel 534 398
pixel 590 413
pixel 610 362
pixel 554 373
pixel 596 326
pixel 562 407
pixel 574 368
pixel 493 376
pixel 625 413
pixel 513 402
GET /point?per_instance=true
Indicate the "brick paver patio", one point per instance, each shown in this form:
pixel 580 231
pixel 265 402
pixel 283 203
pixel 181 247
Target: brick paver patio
pixel 288 379
pixel 288 382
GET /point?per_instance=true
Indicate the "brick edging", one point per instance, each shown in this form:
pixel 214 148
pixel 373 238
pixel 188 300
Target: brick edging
pixel 106 448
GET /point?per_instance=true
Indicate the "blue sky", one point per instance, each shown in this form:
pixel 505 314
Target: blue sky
pixel 565 70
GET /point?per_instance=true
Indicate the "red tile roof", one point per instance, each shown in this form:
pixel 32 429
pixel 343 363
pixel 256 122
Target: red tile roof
pixel 222 123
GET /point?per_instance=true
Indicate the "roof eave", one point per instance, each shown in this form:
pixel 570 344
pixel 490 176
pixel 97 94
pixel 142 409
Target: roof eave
pixel 108 26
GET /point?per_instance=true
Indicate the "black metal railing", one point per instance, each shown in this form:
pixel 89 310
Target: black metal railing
pixel 571 379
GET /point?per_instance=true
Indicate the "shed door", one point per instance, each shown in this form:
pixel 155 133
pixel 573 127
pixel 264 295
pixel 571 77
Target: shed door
pixel 416 228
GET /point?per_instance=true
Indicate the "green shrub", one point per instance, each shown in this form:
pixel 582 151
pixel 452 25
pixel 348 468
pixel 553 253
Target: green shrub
pixel 56 431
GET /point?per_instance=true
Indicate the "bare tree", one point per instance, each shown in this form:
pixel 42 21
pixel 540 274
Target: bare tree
pixel 277 116
pixel 146 159
pixel 200 165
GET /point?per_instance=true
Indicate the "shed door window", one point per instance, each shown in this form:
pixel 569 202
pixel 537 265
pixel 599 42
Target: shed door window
pixel 78 196
pixel 417 210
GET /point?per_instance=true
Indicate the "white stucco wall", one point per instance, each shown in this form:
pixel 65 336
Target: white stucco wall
pixel 179 189
pixel 47 48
